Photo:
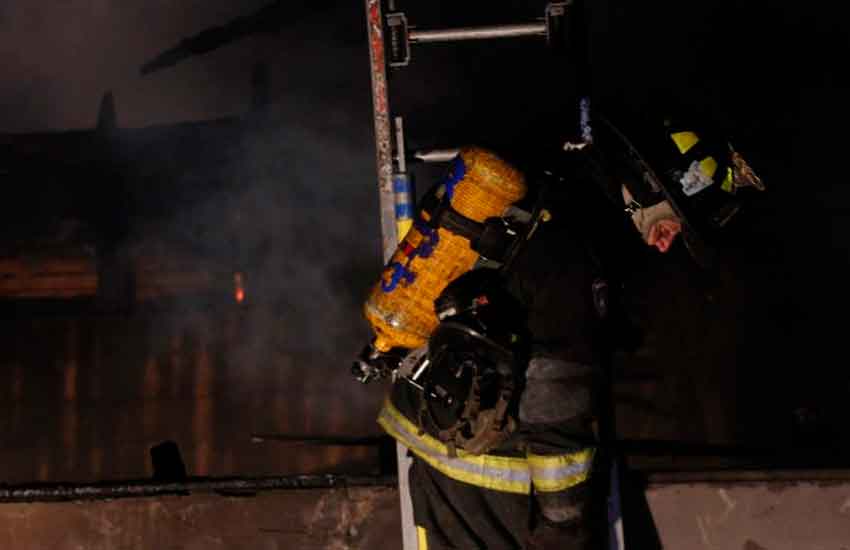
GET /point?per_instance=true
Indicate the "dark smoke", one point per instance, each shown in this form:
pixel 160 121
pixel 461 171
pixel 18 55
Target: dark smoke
pixel 286 194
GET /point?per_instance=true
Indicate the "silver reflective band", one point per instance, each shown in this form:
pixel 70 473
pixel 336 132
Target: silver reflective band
pixel 559 473
pixel 548 473
pixel 504 474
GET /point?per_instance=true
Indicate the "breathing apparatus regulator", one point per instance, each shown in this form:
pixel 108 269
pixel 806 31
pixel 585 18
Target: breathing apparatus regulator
pixel 470 374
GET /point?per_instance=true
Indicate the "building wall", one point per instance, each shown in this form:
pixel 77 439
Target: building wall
pixel 84 398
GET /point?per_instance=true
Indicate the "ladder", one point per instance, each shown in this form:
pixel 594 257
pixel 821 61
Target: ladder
pixel 391 46
pixel 391 40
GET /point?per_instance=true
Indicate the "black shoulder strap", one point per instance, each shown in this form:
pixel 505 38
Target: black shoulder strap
pixel 498 239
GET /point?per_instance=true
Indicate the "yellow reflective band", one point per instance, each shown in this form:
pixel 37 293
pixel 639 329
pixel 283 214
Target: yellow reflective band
pixel 551 474
pixel 728 184
pixel 708 166
pixel 685 140
pixel 421 538
pixel 505 474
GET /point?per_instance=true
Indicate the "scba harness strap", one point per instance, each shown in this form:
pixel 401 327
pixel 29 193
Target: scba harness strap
pixel 498 239
pixel 478 428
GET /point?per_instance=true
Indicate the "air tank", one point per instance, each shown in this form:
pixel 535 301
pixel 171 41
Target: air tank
pixel 400 307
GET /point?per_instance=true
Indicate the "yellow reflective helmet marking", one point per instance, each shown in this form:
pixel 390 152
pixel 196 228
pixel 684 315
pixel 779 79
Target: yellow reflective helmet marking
pixel 708 166
pixel 684 140
pixel 728 184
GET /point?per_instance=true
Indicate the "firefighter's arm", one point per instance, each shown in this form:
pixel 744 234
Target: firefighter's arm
pixel 556 413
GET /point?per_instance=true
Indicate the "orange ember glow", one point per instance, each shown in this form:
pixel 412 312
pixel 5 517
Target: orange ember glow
pixel 238 287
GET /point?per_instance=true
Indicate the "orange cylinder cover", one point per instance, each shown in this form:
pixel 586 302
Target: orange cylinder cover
pixel 400 307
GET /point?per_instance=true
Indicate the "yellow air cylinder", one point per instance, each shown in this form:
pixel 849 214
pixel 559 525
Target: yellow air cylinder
pixel 400 307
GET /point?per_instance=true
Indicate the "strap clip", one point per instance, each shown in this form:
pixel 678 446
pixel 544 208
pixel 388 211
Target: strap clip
pixel 632 207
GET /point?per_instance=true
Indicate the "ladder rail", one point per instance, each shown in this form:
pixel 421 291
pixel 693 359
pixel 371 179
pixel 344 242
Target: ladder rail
pixel 383 134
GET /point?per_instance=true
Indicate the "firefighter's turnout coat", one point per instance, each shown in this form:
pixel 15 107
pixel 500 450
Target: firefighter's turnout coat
pixel 540 488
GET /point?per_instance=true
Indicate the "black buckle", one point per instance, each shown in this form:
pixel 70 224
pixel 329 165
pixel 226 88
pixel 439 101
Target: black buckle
pixel 496 240
pixel 632 207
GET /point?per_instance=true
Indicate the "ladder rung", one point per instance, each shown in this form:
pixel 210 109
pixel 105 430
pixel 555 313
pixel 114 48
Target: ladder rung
pixel 477 33
pixel 402 35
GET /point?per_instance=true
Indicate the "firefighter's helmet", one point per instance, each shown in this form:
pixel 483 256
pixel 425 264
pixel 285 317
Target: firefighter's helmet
pixel 693 174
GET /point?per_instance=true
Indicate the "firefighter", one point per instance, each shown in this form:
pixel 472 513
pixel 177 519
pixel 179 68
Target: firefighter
pixel 501 408
pixel 501 423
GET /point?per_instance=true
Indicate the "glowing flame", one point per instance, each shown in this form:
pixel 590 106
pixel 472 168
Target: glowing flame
pixel 238 287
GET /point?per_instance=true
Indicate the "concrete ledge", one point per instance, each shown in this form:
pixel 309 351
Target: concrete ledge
pixel 735 510
pixel 752 510
pixel 340 518
pixel 48 492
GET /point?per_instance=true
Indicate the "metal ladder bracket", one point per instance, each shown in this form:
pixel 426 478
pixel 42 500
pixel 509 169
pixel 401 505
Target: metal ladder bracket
pixel 556 28
pixel 402 35
pixel 399 32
